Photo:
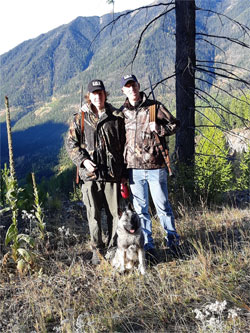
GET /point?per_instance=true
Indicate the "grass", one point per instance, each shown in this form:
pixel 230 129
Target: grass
pixel 67 294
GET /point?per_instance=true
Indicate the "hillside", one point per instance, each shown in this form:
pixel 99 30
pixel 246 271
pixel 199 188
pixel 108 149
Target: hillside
pixel 203 289
pixel 43 76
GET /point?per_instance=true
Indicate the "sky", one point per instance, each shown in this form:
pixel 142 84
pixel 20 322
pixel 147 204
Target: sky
pixel 24 19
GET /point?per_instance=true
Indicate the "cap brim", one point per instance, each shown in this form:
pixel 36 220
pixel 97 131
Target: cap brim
pixel 96 89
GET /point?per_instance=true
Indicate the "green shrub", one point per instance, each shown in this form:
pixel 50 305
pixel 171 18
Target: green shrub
pixel 243 182
pixel 213 170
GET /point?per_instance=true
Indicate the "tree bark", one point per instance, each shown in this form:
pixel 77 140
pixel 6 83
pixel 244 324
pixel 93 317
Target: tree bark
pixel 185 80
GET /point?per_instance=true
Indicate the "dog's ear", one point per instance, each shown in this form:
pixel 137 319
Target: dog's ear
pixel 131 207
pixel 120 211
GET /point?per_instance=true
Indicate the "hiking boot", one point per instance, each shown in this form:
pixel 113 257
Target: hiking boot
pixel 151 257
pixel 95 258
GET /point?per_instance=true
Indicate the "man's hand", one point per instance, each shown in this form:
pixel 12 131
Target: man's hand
pixel 89 165
pixel 153 126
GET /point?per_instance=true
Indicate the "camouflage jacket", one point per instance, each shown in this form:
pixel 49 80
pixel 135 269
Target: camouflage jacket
pixel 141 150
pixel 102 141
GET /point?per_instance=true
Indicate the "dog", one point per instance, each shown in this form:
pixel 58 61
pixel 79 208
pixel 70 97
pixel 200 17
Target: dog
pixel 130 243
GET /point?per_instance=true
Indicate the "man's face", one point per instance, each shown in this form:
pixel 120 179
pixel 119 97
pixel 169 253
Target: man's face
pixel 132 91
pixel 98 98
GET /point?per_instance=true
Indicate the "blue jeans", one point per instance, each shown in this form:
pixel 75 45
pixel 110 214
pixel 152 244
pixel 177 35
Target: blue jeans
pixel 140 180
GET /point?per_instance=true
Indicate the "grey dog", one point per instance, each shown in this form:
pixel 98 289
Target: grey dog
pixel 130 241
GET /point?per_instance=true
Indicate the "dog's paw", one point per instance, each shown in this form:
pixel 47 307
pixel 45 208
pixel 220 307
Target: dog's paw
pixel 121 270
pixel 142 270
pixel 129 265
pixel 115 264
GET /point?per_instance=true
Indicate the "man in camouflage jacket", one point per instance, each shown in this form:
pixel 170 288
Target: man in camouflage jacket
pixel 145 162
pixel 95 144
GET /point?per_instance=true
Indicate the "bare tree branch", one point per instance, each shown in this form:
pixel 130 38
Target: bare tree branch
pixel 214 45
pixel 209 126
pixel 228 83
pixel 144 30
pixel 155 85
pixel 215 156
pixel 222 63
pixel 209 106
pixel 225 91
pixel 243 27
pixel 127 13
pixel 231 39
pixel 199 68
pixel 222 108
pixel 221 69
pixel 215 125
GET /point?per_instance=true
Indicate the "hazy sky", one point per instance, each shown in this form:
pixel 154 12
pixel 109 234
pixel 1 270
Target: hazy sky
pixel 24 19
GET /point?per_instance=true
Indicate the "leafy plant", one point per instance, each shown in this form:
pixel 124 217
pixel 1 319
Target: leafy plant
pixel 21 244
pixel 38 208
pixel 3 189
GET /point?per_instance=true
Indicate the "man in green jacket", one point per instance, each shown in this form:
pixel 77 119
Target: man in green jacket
pixel 95 144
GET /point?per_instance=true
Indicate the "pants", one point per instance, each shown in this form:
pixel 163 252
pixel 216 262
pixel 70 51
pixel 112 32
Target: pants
pixel 97 195
pixel 141 181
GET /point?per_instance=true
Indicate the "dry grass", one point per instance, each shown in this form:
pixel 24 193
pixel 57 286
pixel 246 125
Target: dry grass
pixel 69 295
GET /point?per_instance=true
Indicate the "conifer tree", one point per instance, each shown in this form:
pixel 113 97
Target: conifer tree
pixel 213 170
pixel 243 181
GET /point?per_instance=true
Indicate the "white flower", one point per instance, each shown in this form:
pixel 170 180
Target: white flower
pixel 222 306
pixel 213 322
pixel 217 307
pixel 207 313
pixel 199 315
pixel 232 314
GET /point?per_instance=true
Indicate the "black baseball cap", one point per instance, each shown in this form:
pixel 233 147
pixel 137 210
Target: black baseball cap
pixel 127 78
pixel 95 85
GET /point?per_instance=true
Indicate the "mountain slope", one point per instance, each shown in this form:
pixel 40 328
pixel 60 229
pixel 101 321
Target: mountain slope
pixel 35 69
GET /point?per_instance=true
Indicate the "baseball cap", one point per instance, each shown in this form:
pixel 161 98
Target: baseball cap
pixel 95 85
pixel 127 78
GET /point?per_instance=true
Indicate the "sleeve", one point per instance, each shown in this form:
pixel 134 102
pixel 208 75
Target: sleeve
pixel 168 123
pixel 74 148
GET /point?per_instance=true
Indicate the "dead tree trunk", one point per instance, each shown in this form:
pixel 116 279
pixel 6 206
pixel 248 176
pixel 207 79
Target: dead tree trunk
pixel 10 145
pixel 185 80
